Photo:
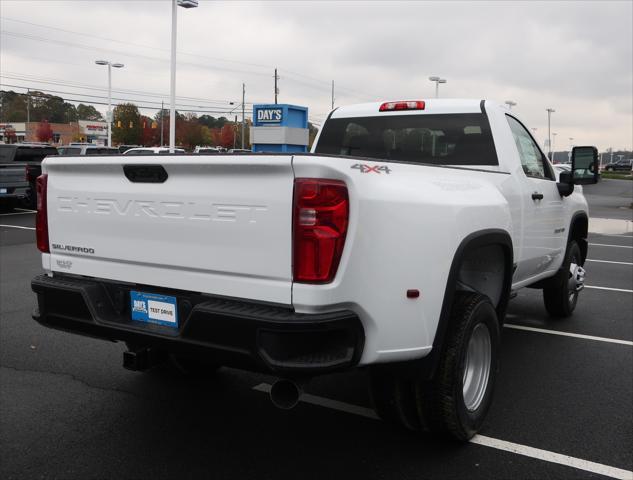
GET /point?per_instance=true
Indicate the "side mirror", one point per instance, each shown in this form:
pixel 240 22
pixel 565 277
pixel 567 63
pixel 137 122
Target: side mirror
pixel 584 165
pixel 565 184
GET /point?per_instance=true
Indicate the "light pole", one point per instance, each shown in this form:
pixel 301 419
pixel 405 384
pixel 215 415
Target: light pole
pixel 109 114
pixel 571 146
pixel 172 87
pixel 553 143
pixel 437 81
pixel 549 130
pixel 510 104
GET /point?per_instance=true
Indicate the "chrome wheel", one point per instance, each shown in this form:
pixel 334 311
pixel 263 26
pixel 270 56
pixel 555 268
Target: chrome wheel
pixel 477 367
pixel 576 280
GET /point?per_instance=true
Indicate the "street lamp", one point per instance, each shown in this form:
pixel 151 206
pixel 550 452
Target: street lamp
pixel 549 135
pixel 437 81
pixel 553 143
pixel 109 114
pixel 172 89
pixel 510 104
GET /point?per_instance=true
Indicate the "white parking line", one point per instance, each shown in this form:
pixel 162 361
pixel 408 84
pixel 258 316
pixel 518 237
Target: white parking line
pixel 28 210
pixel 17 226
pixel 610 289
pixel 552 457
pixel 482 440
pixel 609 261
pixel 607 245
pixel 568 334
pixel 16 213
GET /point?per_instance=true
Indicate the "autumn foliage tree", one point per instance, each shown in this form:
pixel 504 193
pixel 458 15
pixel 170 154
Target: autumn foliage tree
pixel 44 132
pixel 227 135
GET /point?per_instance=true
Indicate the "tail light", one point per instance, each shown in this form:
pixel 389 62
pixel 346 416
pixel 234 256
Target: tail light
pixel 41 218
pixel 321 214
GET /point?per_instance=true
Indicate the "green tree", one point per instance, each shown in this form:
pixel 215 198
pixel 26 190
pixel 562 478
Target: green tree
pixel 126 129
pixel 88 112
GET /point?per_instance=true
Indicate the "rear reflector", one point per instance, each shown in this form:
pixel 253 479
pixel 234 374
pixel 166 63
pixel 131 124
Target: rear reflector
pixel 41 218
pixel 403 105
pixel 321 214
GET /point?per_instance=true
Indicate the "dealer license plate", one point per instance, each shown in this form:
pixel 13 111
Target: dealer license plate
pixel 154 308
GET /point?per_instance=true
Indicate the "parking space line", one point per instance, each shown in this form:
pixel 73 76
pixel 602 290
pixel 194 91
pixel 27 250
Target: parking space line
pixel 16 213
pixel 609 261
pixel 552 457
pixel 482 440
pixel 568 334
pixel 18 227
pixel 626 290
pixel 608 245
pixel 28 210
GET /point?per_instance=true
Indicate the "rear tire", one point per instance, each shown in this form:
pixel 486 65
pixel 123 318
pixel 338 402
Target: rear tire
pixel 561 298
pixel 455 402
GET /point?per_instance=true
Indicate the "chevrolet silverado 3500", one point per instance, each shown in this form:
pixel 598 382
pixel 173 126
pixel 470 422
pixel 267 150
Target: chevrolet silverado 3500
pixel 394 245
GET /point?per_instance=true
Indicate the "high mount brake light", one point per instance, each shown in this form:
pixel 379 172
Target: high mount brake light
pixel 403 105
pixel 41 217
pixel 321 214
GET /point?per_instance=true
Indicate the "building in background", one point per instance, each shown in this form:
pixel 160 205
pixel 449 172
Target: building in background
pixel 88 131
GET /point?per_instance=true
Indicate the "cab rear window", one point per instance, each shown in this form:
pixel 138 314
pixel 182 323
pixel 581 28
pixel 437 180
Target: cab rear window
pixel 447 139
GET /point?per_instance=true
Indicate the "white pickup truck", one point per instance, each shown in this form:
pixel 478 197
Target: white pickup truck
pixel 395 245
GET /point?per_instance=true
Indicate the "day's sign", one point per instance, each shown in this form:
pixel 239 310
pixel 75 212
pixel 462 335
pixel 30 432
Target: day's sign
pixel 269 115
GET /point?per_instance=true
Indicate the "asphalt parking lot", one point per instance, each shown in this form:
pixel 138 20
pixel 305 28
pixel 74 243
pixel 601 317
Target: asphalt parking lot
pixel 563 406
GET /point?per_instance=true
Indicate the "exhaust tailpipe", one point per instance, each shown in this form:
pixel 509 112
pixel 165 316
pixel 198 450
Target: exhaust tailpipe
pixel 285 394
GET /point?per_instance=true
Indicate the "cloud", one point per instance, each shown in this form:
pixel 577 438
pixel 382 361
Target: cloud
pixel 576 57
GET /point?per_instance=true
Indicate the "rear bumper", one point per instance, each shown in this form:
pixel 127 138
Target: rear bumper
pixel 233 333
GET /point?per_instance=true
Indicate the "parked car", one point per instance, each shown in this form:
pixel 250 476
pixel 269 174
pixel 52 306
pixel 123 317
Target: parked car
pixel 20 165
pixel 125 148
pixel 87 149
pixel 624 165
pixel 394 246
pixel 209 150
pixel 152 151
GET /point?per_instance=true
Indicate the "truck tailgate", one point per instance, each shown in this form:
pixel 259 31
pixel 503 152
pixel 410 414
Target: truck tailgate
pixel 218 224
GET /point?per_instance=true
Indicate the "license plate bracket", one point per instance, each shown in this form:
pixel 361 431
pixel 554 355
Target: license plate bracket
pixel 154 308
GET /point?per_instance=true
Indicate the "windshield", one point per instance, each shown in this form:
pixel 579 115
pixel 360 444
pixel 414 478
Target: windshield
pixel 449 139
pixel 33 154
pixel 69 151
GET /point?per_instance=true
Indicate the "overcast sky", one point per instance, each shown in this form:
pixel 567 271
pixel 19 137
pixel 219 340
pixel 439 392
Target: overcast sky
pixel 576 57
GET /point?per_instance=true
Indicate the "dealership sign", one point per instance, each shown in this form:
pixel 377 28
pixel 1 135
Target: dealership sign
pixel 270 115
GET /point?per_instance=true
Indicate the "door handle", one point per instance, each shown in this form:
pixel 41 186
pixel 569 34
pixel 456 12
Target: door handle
pixel 537 196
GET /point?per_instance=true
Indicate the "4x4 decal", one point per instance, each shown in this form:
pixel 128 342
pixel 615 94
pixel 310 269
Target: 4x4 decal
pixel 364 168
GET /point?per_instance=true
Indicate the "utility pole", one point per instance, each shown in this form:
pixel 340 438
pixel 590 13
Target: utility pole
pixel 332 94
pixel 162 108
pixel 549 130
pixel 172 84
pixel 276 87
pixel 28 114
pixel 235 132
pixel 243 118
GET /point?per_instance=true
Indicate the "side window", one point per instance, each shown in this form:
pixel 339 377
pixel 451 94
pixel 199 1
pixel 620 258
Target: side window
pixel 532 159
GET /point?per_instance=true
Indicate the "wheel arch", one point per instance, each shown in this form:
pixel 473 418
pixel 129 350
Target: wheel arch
pixel 427 365
pixel 578 231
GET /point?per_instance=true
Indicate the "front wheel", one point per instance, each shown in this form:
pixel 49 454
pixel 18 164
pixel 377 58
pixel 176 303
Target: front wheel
pixel 455 402
pixel 561 298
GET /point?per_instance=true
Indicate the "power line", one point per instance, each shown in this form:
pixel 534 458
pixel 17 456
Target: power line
pixel 139 105
pixel 66 83
pixel 325 83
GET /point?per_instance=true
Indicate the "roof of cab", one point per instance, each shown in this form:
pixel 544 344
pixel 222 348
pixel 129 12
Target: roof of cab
pixel 433 105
